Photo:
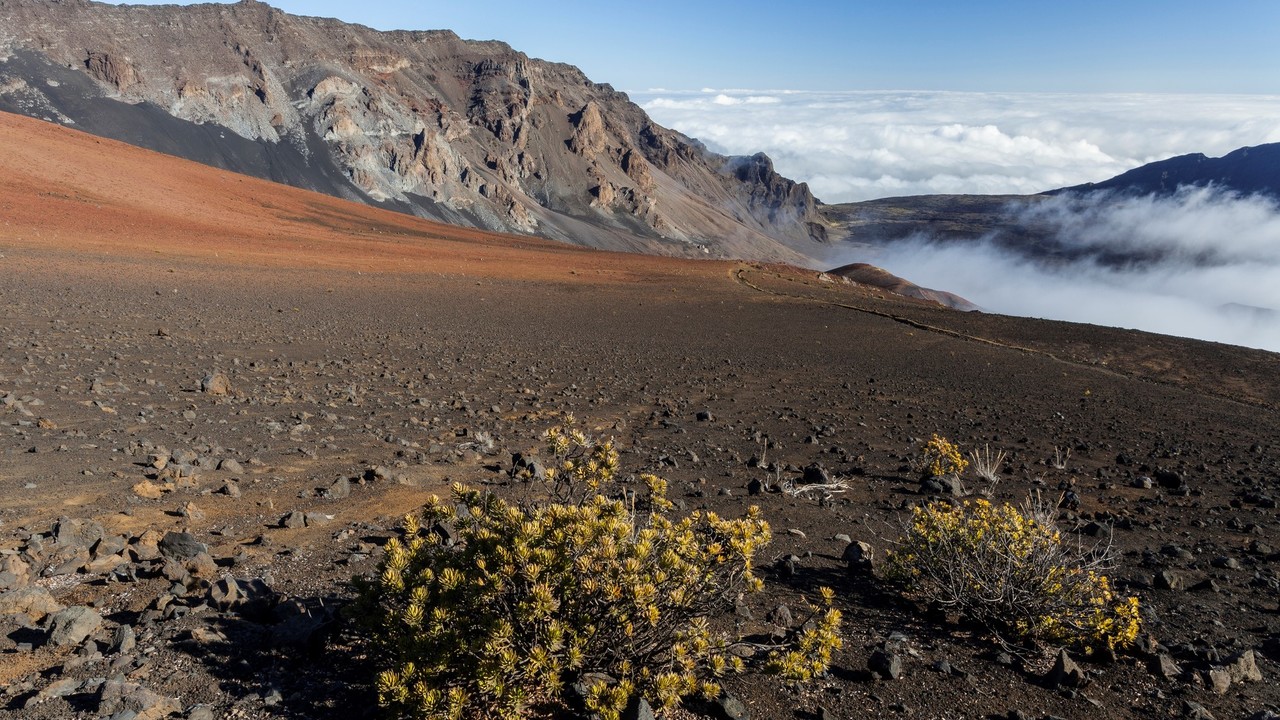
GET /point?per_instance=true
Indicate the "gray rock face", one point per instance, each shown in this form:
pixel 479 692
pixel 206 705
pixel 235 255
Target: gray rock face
pixel 78 533
pixel 180 546
pixel 73 625
pixel 472 133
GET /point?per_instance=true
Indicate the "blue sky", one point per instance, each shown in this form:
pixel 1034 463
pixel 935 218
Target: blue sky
pixel 1188 46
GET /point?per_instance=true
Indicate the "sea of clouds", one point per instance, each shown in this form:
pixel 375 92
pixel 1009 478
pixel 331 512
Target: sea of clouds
pixel 1212 267
pixel 861 145
pixel 1208 266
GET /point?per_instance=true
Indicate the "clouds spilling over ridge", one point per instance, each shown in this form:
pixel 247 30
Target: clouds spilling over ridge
pixel 853 146
pixel 1202 264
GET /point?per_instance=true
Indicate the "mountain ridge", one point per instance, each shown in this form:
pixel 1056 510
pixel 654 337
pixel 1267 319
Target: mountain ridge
pixel 469 132
pixel 1252 170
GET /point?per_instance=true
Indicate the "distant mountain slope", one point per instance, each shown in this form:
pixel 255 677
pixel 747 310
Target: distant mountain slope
pixel 877 277
pixel 1015 223
pixel 472 133
pixel 1248 171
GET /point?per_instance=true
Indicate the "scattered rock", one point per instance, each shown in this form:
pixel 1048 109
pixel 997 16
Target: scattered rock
pixel 34 602
pixel 147 546
pixel 944 485
pixel 104 565
pixel 248 597
pixel 180 546
pixel 1170 580
pixel 859 556
pixel 815 474
pixel 1065 673
pixel 638 709
pixel 1244 668
pixel 1195 711
pixel 119 695
pixel 339 490
pixel 149 490
pixel 1163 665
pixel 56 689
pixel 887 665
pixel 202 566
pixel 123 640
pixel 728 707
pixel 216 384
pixel 1219 680
pixel 73 625
pixel 14 573
pixel 77 533
pixel 781 615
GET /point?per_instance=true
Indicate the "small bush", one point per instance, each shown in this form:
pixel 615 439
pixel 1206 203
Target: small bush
pixel 1008 569
pixel 531 597
pixel 940 458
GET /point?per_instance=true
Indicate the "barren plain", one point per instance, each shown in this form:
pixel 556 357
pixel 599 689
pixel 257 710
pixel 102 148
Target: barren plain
pixel 370 359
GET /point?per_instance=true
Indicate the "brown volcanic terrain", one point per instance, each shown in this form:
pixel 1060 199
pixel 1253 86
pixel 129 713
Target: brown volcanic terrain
pixel 399 355
pixel 885 280
pixel 472 133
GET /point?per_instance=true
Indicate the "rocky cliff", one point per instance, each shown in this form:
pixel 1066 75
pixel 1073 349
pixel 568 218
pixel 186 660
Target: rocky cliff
pixel 472 133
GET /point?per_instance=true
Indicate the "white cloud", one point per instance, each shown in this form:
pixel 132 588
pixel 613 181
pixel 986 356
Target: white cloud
pixel 860 145
pixel 1210 257
pixel 1208 254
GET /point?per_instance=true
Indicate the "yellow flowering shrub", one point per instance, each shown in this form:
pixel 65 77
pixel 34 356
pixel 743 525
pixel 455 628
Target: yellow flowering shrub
pixel 1008 569
pixel 531 596
pixel 939 458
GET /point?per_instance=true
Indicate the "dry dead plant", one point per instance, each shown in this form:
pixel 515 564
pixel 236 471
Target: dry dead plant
pixel 987 466
pixel 823 491
pixel 1060 458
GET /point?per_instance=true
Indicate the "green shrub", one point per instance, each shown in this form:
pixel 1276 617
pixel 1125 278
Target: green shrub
pixel 531 597
pixel 1008 569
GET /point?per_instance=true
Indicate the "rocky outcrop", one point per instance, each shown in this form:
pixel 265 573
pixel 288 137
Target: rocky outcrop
pixel 588 131
pixel 468 132
pixel 111 69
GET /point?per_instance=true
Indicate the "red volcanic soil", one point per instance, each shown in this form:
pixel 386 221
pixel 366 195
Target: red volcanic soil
pixel 390 355
pixel 881 278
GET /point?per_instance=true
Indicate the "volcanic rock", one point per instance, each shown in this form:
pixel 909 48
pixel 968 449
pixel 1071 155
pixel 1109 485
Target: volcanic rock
pixel 471 133
pixel 72 625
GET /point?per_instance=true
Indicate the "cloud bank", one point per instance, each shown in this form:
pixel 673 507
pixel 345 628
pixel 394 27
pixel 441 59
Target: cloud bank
pixel 1200 264
pixel 853 146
